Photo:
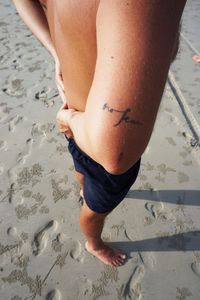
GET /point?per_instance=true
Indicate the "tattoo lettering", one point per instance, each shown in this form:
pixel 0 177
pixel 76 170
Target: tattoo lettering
pixel 124 117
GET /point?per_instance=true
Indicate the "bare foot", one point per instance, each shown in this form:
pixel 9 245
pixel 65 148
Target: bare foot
pixel 107 255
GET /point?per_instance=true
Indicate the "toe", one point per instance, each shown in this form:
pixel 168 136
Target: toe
pixel 121 261
pixel 123 256
pixel 118 263
pixel 114 263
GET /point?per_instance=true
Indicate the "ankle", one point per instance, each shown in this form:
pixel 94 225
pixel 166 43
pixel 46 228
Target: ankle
pixel 95 243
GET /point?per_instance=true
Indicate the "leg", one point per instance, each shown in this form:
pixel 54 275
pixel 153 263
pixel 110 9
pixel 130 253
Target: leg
pixel 91 224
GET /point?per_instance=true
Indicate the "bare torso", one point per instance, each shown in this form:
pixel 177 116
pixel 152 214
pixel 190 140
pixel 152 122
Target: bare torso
pixel 73 30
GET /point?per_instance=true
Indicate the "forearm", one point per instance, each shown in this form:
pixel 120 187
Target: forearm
pixel 130 75
pixel 34 17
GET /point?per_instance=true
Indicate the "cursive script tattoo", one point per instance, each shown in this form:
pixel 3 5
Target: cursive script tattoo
pixel 124 117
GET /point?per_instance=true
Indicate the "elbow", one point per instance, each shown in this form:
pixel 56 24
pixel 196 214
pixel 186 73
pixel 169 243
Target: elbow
pixel 119 162
pixel 115 169
pixel 118 167
pixel 117 158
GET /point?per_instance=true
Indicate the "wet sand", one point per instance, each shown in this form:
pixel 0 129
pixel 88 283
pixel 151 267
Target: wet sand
pixel 42 253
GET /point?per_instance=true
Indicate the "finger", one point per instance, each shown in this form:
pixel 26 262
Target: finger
pixel 66 130
pixel 69 136
pixel 62 129
pixel 60 82
pixel 68 133
pixel 58 75
pixel 62 95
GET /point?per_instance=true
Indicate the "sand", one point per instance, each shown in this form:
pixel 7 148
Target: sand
pixel 42 253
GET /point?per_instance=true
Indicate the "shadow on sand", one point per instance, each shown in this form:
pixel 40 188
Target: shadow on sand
pixel 185 197
pixel 186 241
pixel 189 241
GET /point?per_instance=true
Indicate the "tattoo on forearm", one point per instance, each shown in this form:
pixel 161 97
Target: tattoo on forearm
pixel 124 115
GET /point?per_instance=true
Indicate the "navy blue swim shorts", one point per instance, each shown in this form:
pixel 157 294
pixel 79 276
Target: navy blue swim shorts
pixel 102 191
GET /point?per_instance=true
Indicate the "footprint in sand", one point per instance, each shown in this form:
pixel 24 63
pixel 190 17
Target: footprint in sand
pixel 148 259
pixel 75 250
pixel 3 145
pixel 12 231
pixel 133 288
pixel 14 122
pixel 21 157
pixel 154 209
pixel 195 266
pixel 42 237
pixel 14 87
pixel 73 247
pixel 54 295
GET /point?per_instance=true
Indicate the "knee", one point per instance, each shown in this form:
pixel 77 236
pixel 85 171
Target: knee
pixel 87 215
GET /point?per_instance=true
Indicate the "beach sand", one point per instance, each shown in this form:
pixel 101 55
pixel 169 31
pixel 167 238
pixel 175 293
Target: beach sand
pixel 42 253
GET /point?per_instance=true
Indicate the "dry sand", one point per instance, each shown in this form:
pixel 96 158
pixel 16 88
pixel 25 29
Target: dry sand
pixel 42 252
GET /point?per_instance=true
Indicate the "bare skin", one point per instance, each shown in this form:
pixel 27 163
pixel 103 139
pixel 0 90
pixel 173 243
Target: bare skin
pixel 77 72
pixel 110 97
pixel 196 58
pixel 91 224
pixel 95 244
pixel 73 31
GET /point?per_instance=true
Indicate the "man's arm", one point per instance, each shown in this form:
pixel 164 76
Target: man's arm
pixel 135 41
pixel 34 17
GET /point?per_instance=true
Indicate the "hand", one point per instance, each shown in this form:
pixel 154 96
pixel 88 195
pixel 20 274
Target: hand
pixel 59 80
pixel 63 116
